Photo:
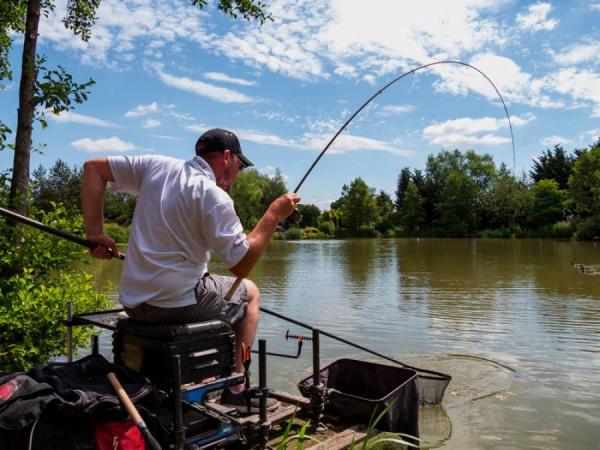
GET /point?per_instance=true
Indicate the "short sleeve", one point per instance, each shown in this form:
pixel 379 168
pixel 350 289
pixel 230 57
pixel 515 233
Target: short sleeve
pixel 225 234
pixel 128 172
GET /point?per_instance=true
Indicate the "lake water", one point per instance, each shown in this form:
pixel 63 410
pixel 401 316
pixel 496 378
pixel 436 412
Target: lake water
pixel 513 322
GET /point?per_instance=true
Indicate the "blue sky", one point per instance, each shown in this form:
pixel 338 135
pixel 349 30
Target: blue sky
pixel 166 71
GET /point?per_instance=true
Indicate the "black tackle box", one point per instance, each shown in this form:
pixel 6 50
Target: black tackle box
pixel 206 349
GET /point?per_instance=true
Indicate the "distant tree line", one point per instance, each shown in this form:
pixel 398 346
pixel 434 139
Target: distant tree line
pixel 456 195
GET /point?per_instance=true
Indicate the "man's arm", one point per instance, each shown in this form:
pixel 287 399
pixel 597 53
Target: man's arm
pixel 260 236
pixel 96 174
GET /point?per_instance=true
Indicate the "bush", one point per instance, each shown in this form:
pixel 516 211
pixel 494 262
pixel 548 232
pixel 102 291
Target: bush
pixel 496 233
pixel 313 233
pixel 118 232
pixel 588 229
pixel 293 234
pixel 31 315
pixel 36 281
pixel 367 231
pixel 327 227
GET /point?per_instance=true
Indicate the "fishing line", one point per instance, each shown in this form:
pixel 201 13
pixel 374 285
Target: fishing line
pixel 412 71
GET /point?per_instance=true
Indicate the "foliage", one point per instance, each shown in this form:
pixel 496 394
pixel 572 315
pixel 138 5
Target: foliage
pixel 506 202
pixel 31 314
pixel 584 183
pixel 553 165
pixel 59 183
pixel 118 232
pixel 412 213
pixel 294 234
pixel 386 213
pixel 547 203
pixel 327 227
pixel 119 207
pixel 310 215
pixel 33 300
pixel 313 233
pixel 402 185
pixel 55 90
pixel 589 229
pixel 252 193
pixel 358 205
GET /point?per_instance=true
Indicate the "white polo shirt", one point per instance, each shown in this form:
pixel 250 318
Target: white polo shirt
pixel 181 215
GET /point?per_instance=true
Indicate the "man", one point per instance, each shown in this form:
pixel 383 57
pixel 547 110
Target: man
pixel 183 212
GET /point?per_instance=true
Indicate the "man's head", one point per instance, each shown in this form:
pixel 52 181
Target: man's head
pixel 222 150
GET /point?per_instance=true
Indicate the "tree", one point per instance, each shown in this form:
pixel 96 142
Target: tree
pixel 402 184
pixel 412 214
pixel 62 182
pixel 54 89
pixel 457 205
pixel 252 193
pixel 310 215
pixel 584 183
pixel 506 202
pixel 553 165
pixel 547 203
pixel 386 212
pixel 358 205
pixel 455 184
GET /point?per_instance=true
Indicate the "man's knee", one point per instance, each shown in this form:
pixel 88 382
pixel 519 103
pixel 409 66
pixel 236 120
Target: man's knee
pixel 252 291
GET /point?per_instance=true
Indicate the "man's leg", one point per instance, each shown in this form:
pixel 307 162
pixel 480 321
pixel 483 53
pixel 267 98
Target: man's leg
pixel 245 331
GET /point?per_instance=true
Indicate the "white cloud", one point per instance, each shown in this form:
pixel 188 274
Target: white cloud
pixel 71 117
pixel 123 26
pixel 536 19
pixel 218 76
pixel 357 39
pixel 514 84
pixel 216 93
pixel 592 136
pixel 468 131
pixel 112 144
pixel 151 123
pixel 389 110
pixel 163 136
pixel 315 141
pixel 581 85
pixel 578 54
pixel 348 142
pixel 269 139
pixel 595 6
pixel 143 110
pixel 551 141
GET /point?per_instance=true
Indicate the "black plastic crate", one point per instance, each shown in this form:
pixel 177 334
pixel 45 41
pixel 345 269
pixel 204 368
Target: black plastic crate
pixel 360 391
pixel 206 349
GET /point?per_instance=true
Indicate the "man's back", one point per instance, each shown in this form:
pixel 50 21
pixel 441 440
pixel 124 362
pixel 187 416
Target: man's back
pixel 180 215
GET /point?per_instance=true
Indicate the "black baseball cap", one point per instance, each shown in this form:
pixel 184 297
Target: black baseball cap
pixel 218 140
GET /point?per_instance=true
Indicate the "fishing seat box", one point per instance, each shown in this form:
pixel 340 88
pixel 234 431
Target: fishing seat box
pixel 206 349
pixel 360 390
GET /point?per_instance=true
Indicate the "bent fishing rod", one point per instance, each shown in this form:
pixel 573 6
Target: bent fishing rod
pixel 89 244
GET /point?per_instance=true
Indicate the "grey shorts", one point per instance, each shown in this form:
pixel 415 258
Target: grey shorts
pixel 210 305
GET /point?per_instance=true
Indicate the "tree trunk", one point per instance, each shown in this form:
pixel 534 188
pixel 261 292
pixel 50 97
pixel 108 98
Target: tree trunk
pixel 20 175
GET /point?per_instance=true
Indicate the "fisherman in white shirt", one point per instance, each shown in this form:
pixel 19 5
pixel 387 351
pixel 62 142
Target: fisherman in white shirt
pixel 183 213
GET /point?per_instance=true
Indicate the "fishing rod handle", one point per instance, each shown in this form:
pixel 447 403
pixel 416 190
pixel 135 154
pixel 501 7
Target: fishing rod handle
pixel 133 412
pixel 234 287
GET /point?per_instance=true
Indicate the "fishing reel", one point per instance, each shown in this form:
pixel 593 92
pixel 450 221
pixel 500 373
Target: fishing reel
pixel 293 219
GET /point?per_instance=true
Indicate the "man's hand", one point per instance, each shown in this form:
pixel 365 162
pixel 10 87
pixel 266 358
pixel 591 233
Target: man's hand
pixel 284 206
pixel 106 248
